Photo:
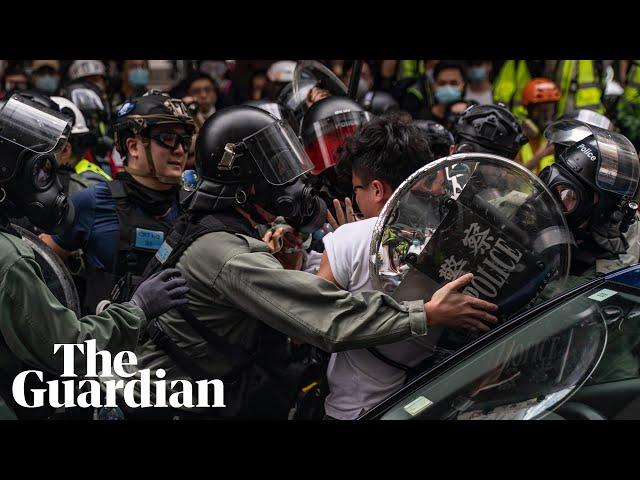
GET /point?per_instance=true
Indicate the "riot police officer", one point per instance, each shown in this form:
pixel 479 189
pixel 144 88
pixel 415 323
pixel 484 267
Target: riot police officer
pixel 32 319
pixel 488 129
pixel 120 224
pixel 241 296
pixel 596 177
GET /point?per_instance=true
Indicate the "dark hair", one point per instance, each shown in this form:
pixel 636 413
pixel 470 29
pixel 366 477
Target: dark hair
pixel 446 65
pixel 199 76
pixel 388 147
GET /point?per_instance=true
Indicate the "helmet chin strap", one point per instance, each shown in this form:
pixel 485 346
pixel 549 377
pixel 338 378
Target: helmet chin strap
pixel 152 169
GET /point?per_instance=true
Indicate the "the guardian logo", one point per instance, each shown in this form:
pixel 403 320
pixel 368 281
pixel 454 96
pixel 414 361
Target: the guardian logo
pixel 588 152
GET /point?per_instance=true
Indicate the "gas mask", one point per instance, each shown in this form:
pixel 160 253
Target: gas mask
pixel 36 192
pixel 574 197
pixel 297 202
pixel 30 135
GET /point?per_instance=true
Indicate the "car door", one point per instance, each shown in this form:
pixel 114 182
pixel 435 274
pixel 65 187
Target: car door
pixel 525 369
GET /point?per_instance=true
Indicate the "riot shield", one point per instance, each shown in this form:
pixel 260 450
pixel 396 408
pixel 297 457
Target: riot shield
pixel 476 213
pixel 309 74
pixel 55 273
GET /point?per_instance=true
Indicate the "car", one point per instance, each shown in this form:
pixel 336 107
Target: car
pixel 575 356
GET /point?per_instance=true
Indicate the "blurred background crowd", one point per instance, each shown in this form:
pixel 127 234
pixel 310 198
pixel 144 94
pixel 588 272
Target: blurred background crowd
pixel 536 91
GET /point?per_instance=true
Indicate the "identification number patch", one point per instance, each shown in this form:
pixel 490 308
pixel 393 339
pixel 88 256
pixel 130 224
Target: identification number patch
pixel 163 252
pixel 149 239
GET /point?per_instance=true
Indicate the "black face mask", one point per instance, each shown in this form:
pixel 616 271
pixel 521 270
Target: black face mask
pixel 297 202
pixel 156 202
pixel 36 192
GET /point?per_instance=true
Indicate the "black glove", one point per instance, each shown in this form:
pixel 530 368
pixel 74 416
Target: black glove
pixel 161 292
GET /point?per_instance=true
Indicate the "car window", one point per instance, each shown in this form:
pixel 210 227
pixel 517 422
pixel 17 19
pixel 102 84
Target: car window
pixel 526 373
pixel 621 358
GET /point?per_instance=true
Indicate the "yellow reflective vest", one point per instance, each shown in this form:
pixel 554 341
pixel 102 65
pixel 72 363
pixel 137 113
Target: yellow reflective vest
pixel 631 91
pixel 527 153
pixel 509 84
pixel 579 86
pixel 87 166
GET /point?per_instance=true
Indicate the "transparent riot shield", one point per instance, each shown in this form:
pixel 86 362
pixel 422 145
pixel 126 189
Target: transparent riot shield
pixel 307 75
pixel 476 213
pixel 55 273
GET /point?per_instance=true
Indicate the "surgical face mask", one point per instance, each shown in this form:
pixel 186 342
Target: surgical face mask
pixel 477 74
pixel 47 84
pixel 139 77
pixel 447 94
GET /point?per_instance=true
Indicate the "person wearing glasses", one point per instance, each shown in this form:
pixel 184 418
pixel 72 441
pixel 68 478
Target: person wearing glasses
pixel 120 224
pixel 202 88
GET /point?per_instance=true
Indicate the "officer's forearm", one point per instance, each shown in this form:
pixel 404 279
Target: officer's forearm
pixel 33 321
pixel 314 310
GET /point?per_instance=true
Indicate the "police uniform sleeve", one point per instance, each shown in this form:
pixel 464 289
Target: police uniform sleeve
pixel 314 310
pixel 33 321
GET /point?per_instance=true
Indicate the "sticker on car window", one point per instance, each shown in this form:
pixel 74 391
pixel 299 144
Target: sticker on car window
pixel 602 295
pixel 418 405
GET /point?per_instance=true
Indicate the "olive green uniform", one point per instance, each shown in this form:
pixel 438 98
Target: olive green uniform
pixel 32 320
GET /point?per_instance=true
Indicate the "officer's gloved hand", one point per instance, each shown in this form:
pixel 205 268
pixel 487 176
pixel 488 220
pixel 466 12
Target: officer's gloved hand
pixel 161 292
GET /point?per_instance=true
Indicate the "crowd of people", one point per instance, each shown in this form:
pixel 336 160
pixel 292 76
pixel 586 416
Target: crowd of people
pixel 219 226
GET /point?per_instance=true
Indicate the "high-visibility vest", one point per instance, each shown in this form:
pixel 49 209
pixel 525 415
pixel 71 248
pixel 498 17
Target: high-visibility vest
pixel 410 68
pixel 509 84
pixel 86 166
pixel 578 89
pixel 631 91
pixel 526 154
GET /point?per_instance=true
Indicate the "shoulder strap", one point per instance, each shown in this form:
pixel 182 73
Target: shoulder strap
pixel 186 231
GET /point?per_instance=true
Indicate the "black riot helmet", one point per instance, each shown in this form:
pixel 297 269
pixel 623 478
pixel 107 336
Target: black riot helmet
pixel 379 102
pixel 30 136
pixel 139 115
pixel 440 139
pixel 246 156
pixel 489 129
pixel 40 98
pixel 593 160
pixel 325 128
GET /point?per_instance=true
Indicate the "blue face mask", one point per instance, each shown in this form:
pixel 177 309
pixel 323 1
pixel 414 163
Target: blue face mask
pixel 47 84
pixel 447 94
pixel 139 77
pixel 477 74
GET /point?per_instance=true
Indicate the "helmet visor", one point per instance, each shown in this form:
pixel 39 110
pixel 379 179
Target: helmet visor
pixel 618 166
pixel 278 153
pixel 86 99
pixel 32 127
pixel 327 135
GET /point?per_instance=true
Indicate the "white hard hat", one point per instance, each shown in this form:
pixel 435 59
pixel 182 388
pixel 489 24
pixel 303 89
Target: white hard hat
pixel 79 124
pixel 86 68
pixel 281 71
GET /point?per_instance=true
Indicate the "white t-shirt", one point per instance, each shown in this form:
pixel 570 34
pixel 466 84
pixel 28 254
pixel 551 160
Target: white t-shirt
pixel 357 380
pixel 483 98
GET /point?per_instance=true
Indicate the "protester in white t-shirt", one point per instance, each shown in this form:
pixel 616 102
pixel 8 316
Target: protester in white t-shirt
pixel 383 153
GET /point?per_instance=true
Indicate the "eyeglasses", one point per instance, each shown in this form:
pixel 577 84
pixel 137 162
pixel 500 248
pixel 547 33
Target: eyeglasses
pixel 172 140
